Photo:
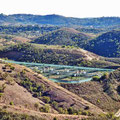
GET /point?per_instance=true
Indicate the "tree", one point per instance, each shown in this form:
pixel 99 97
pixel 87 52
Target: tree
pixel 70 110
pixel 36 105
pixel 46 99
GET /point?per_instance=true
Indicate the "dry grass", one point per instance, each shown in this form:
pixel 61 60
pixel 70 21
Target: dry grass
pixel 57 93
pixel 20 97
pixel 94 93
pixel 46 116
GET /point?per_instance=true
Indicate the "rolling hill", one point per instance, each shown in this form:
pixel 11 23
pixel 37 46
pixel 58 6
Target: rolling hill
pixel 91 30
pixel 6 40
pixel 28 31
pixel 107 44
pixel 54 55
pixel 64 36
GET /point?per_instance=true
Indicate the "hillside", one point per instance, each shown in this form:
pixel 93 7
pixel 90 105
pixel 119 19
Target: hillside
pixel 7 40
pixel 18 84
pixel 103 92
pixel 107 44
pixel 28 31
pixel 54 55
pixel 29 19
pixel 91 30
pixel 64 36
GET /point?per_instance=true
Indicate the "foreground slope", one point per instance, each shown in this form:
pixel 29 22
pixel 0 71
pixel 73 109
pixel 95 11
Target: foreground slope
pixel 20 88
pixel 18 84
pixel 18 113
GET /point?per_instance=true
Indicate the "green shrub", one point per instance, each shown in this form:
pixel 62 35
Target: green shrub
pixel 55 104
pixel 12 67
pixel 96 78
pixel 63 46
pixel 61 110
pixel 11 103
pixel 36 105
pixel 46 108
pixel 46 99
pixel 70 110
pixel 2 88
pixel 1 94
pixel 105 76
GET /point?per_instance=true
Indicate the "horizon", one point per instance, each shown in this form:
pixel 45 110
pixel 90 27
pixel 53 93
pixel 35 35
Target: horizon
pixel 68 8
pixel 56 15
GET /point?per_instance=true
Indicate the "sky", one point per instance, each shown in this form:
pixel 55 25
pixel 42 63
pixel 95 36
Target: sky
pixel 68 8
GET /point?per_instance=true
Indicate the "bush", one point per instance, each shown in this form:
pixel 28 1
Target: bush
pixel 70 110
pixel 46 99
pixel 46 108
pixel 4 75
pixel 55 118
pixel 63 46
pixel 105 76
pixel 55 104
pixel 87 108
pixel 2 87
pixel 1 94
pixel 36 105
pixel 61 110
pixel 96 78
pixel 11 103
pixel 12 67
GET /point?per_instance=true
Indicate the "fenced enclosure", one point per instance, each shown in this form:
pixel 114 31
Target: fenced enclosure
pixel 65 73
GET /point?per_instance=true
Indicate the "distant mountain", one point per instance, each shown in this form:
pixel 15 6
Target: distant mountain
pixel 25 19
pixel 107 44
pixel 91 30
pixel 64 36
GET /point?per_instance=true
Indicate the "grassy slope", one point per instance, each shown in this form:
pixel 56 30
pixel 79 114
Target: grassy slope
pixel 94 93
pixel 104 94
pixel 18 113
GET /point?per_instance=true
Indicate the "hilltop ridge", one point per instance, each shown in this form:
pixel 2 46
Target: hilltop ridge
pixel 27 19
